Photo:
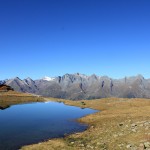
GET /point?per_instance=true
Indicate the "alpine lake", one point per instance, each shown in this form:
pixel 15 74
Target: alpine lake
pixel 24 124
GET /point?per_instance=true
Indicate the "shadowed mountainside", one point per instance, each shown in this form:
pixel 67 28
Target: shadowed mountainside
pixel 79 86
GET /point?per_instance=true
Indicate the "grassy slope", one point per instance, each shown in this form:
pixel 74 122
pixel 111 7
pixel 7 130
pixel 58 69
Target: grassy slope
pixel 11 98
pixel 121 124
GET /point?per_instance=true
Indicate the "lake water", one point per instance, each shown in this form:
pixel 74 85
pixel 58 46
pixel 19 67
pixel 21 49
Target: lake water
pixel 34 122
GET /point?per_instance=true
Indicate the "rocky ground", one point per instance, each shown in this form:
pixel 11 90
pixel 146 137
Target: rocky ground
pixel 122 124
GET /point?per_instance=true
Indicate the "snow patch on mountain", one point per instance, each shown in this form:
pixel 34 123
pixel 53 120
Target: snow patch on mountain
pixel 48 78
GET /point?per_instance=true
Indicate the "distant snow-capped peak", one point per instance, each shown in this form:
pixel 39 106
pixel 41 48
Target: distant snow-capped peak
pixel 48 78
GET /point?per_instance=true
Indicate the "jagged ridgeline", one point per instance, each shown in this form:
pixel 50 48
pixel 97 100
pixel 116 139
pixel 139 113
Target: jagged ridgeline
pixel 79 86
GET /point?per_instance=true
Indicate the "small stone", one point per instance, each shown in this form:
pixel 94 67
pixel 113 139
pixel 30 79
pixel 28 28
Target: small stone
pixel 120 124
pixel 127 126
pixel 133 125
pixel 141 125
pixel 147 145
pixel 89 146
pixel 133 130
pixel 72 143
pixel 81 145
pixel 121 145
pixel 98 143
pixel 120 134
pixel 141 146
pixel 147 128
pixel 92 147
pixel 146 123
pixel 115 135
pixel 129 146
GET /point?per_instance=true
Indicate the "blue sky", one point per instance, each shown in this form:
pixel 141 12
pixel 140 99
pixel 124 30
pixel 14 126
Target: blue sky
pixel 54 37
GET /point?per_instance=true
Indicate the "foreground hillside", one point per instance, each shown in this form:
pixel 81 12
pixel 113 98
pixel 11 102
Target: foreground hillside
pixel 121 124
pixel 79 86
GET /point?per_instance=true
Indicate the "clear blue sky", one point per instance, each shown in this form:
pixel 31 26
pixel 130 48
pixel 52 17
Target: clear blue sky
pixel 54 37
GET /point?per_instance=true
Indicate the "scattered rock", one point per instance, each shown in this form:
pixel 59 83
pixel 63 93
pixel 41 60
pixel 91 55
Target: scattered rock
pixel 121 134
pixel 81 145
pixel 120 124
pixel 92 127
pixel 115 135
pixel 133 130
pixel 141 125
pixel 141 146
pixel 147 128
pixel 90 147
pixel 127 126
pixel 129 146
pixel 72 143
pixel 147 145
pixel 121 145
pixel 133 125
pixel 83 103
pixel 98 143
pixel 146 123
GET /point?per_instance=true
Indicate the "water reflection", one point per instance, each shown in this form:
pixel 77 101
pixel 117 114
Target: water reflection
pixel 5 107
pixel 30 123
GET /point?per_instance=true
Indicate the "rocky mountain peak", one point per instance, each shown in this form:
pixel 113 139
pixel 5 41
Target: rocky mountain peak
pixel 29 79
pixel 80 86
pixel 17 78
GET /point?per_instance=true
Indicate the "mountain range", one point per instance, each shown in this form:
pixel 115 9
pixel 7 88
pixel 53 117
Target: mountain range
pixel 79 86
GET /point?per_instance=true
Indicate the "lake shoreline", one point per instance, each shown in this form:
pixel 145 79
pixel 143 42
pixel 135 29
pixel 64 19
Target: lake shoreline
pixel 109 128
pixel 120 123
pixel 11 100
